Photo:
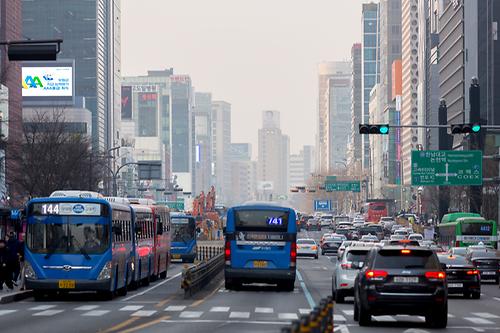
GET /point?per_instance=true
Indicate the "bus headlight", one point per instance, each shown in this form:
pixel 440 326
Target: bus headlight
pixel 29 272
pixel 106 271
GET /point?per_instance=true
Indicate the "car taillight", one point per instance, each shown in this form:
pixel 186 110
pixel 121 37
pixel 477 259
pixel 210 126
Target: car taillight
pixel 293 254
pixel 376 275
pixel 435 276
pixel 405 251
pixel 314 247
pixel 227 253
pixel 473 272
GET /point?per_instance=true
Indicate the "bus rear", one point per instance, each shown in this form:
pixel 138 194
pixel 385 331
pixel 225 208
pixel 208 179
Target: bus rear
pixel 183 237
pixel 260 246
pixel 373 211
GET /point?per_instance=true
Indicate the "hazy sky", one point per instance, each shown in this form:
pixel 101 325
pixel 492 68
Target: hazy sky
pixel 254 54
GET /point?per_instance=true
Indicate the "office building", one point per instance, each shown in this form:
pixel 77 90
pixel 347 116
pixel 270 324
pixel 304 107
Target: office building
pixel 243 174
pixel 241 151
pixel 301 166
pixel 355 148
pixel 370 68
pixel 203 142
pixel 221 149
pixel 91 34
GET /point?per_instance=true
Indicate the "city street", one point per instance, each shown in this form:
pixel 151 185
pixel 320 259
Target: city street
pixel 161 307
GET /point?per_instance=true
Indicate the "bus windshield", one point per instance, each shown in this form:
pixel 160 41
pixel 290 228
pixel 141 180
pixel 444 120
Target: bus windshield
pixel 183 230
pixel 261 220
pixel 63 235
pixel 483 229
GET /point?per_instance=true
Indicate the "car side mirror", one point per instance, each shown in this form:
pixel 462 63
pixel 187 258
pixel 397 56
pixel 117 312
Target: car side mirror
pixel 160 228
pixel 117 230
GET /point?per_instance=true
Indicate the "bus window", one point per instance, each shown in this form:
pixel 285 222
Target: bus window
pixel 255 220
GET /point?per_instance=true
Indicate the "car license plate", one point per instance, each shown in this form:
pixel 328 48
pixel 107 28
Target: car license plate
pixel 406 279
pixel 455 285
pixel 176 256
pixel 67 284
pixel 260 264
pixel 488 273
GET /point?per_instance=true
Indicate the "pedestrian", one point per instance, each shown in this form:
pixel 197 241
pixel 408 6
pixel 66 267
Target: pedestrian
pixel 13 250
pixel 5 269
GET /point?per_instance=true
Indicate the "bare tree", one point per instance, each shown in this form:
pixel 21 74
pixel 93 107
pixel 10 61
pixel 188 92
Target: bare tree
pixel 53 157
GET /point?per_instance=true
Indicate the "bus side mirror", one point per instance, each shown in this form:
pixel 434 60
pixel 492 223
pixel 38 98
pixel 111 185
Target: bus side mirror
pixel 117 230
pixel 138 229
pixel 160 228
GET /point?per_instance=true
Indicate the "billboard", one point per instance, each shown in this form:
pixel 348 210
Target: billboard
pixel 126 102
pixel 147 117
pixel 48 83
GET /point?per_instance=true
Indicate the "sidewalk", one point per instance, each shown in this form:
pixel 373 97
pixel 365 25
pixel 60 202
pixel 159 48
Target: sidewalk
pixel 8 296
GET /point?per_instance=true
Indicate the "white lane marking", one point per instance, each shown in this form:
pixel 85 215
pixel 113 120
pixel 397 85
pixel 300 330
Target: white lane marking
pixel 95 313
pixel 479 321
pixel 86 307
pixel 496 298
pixel 251 322
pixel 384 318
pixel 132 308
pixel 175 308
pixel 220 309
pixel 338 317
pixel 48 313
pixel 154 287
pixel 240 315
pixel 450 315
pixel 288 316
pixel 305 311
pixel 191 314
pixel 341 329
pixel 143 313
pixel 485 315
pixel 4 312
pixel 415 330
pixel 348 312
pixel 42 307
pixel 307 294
pixel 264 310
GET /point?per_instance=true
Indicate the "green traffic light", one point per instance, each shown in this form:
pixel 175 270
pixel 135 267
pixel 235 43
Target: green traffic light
pixel 384 129
pixel 476 128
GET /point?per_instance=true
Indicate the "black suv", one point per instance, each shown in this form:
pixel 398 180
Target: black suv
pixel 405 280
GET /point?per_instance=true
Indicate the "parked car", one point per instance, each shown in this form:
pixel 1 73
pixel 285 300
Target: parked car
pixel 462 277
pixel 346 269
pixel 307 247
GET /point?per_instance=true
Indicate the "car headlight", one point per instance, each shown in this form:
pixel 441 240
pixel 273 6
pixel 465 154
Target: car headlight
pixel 106 271
pixel 29 272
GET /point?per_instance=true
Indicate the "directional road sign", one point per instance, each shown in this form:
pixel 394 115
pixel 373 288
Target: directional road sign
pixel 322 205
pixel 331 179
pixel 446 167
pixel 343 186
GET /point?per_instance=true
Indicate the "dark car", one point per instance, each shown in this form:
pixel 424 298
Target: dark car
pixel 346 232
pixel 331 245
pixel 487 263
pixel 404 280
pixel 462 277
pixel 313 224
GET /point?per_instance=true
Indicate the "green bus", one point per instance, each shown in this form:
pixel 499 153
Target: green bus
pixel 464 229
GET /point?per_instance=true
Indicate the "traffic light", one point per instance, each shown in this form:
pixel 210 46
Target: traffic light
pixel 373 128
pixel 466 128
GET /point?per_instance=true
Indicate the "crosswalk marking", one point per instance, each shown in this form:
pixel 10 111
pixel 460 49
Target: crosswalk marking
pixel 264 310
pixel 132 308
pixel 86 307
pixel 175 308
pixel 143 313
pixel 338 317
pixel 305 311
pixel 241 315
pixel 42 307
pixel 48 313
pixel 288 316
pixel 95 313
pixel 450 315
pixel 220 309
pixel 384 318
pixel 348 312
pixel 191 314
pixel 485 315
pixel 479 321
pixel 496 298
pixel 4 312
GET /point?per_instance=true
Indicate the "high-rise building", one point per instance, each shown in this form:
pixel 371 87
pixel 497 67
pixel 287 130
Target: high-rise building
pixel 91 34
pixel 301 166
pixel 203 142
pixel 241 151
pixel 221 149
pixel 334 113
pixel 273 156
pixel 243 178
pixel 370 68
pixel 354 148
pixel 409 108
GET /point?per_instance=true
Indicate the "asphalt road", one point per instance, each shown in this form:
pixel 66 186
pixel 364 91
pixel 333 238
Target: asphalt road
pixel 161 307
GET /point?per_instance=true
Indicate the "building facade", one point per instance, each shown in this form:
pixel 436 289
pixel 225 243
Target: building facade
pixel 355 147
pixel 221 149
pixel 203 142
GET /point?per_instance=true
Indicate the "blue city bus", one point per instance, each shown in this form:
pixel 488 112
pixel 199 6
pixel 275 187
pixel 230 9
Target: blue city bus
pixel 78 244
pixel 183 237
pixel 260 246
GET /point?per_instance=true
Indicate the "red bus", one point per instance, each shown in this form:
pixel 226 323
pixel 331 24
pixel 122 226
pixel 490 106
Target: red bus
pixel 373 211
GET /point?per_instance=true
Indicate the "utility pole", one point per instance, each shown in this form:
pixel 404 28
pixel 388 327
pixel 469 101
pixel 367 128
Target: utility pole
pixel 475 142
pixel 444 144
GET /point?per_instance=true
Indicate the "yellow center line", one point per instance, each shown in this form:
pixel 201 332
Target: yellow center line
pixel 165 301
pixel 121 325
pixel 145 325
pixel 198 302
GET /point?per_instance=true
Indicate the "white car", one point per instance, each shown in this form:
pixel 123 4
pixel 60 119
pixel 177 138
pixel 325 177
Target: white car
pixel 346 269
pixel 369 238
pixel 417 237
pixel 307 247
pixel 326 222
pixel 401 232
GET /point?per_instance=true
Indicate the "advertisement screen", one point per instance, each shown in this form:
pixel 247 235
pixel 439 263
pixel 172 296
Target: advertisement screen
pixel 126 102
pixel 47 81
pixel 147 122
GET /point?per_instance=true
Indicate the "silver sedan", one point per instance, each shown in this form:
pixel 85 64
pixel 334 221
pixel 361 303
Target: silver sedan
pixel 307 247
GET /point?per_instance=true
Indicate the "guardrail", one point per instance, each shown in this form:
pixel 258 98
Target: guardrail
pixel 320 320
pixel 196 277
pixel 206 252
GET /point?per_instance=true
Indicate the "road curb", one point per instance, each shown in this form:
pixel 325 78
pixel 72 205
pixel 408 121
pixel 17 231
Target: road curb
pixel 17 296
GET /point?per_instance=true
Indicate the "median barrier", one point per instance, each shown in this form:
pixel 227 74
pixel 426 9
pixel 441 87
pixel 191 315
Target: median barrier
pixel 196 277
pixel 319 320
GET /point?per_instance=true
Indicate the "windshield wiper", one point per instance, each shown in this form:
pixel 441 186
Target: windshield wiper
pixel 82 250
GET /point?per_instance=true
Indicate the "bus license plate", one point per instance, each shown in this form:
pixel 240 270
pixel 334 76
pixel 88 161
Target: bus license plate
pixel 406 279
pixel 260 264
pixel 176 256
pixel 67 284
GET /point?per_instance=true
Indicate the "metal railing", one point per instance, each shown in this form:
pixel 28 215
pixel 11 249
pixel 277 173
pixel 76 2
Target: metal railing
pixel 205 252
pixel 196 277
pixel 320 320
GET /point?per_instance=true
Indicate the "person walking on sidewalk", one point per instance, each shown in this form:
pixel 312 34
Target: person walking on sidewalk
pixel 5 268
pixel 13 249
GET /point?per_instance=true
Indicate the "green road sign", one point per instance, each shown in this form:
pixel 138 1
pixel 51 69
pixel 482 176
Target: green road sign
pixel 179 205
pixel 331 179
pixel 343 186
pixel 446 167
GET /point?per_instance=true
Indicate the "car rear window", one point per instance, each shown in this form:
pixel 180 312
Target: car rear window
pixel 416 259
pixel 356 255
pixel 305 241
pixel 453 260
pixel 256 220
